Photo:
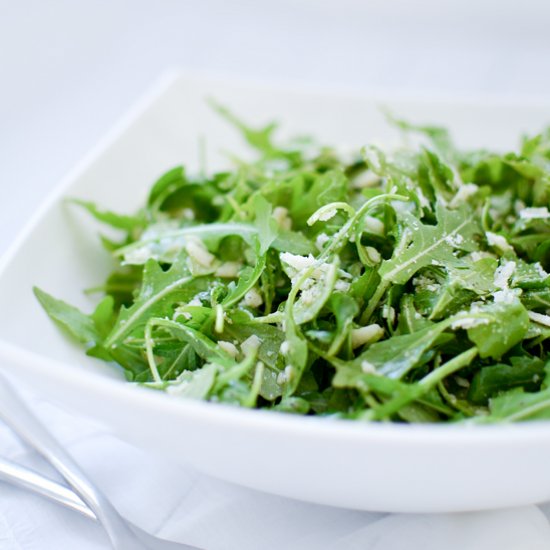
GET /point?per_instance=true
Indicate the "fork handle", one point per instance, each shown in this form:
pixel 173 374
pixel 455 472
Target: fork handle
pixel 15 413
pixel 18 475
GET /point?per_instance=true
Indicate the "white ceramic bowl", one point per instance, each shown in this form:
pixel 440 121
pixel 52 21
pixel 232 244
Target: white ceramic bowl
pixel 365 466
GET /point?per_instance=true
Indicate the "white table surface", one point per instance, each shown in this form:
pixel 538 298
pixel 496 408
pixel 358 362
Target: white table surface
pixel 69 69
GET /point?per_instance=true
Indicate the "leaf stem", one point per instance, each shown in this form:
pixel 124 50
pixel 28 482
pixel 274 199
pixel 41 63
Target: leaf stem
pixel 373 302
pixel 424 386
pixel 527 411
pixel 451 366
pixel 341 236
pixel 384 284
pixel 149 345
pixel 252 397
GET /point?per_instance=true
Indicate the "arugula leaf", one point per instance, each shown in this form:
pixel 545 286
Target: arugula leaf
pixel 431 245
pixel 293 242
pixel 438 135
pixel 475 275
pixel 170 181
pixel 247 279
pixel 193 384
pixel 438 175
pixel 536 299
pixel 526 372
pixel 517 405
pixel 158 292
pixel 203 346
pixel 118 221
pixel 313 298
pixel 267 227
pixel 259 139
pixel 397 355
pixel 69 318
pixel 345 308
pixel 502 326
pixel 160 242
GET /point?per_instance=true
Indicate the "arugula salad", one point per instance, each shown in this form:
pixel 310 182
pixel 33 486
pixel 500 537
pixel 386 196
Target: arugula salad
pixel 404 285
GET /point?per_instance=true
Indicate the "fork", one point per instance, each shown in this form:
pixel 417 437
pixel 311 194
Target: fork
pixel 123 534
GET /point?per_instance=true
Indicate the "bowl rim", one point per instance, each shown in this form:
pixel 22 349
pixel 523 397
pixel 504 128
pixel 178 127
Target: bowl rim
pixel 227 416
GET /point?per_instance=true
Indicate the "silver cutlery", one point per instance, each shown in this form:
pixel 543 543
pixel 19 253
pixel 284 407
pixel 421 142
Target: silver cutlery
pixel 123 534
pixel 23 477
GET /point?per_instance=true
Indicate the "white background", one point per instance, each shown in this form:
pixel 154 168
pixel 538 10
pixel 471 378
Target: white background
pixel 69 69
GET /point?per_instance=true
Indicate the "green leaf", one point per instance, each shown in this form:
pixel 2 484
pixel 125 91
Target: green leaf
pixel 260 139
pixel 294 242
pixel 160 242
pixel 247 280
pixel 118 221
pixel 104 316
pixel 266 225
pixel 410 319
pixel 297 357
pixel 271 338
pixel 193 384
pixel 438 174
pixel 203 346
pixel 313 298
pixel 536 299
pixel 397 355
pixel 121 285
pixel 488 381
pixel 367 383
pixel 528 275
pixel 517 405
pixel 168 183
pixel 475 275
pixel 159 290
pixel 432 244
pixel 345 309
pixel 439 136
pixel 68 318
pixel 501 326
pixel 310 191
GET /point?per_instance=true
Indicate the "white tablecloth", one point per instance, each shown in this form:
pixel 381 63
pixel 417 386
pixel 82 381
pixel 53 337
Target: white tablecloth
pixel 179 503
pixel 70 69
